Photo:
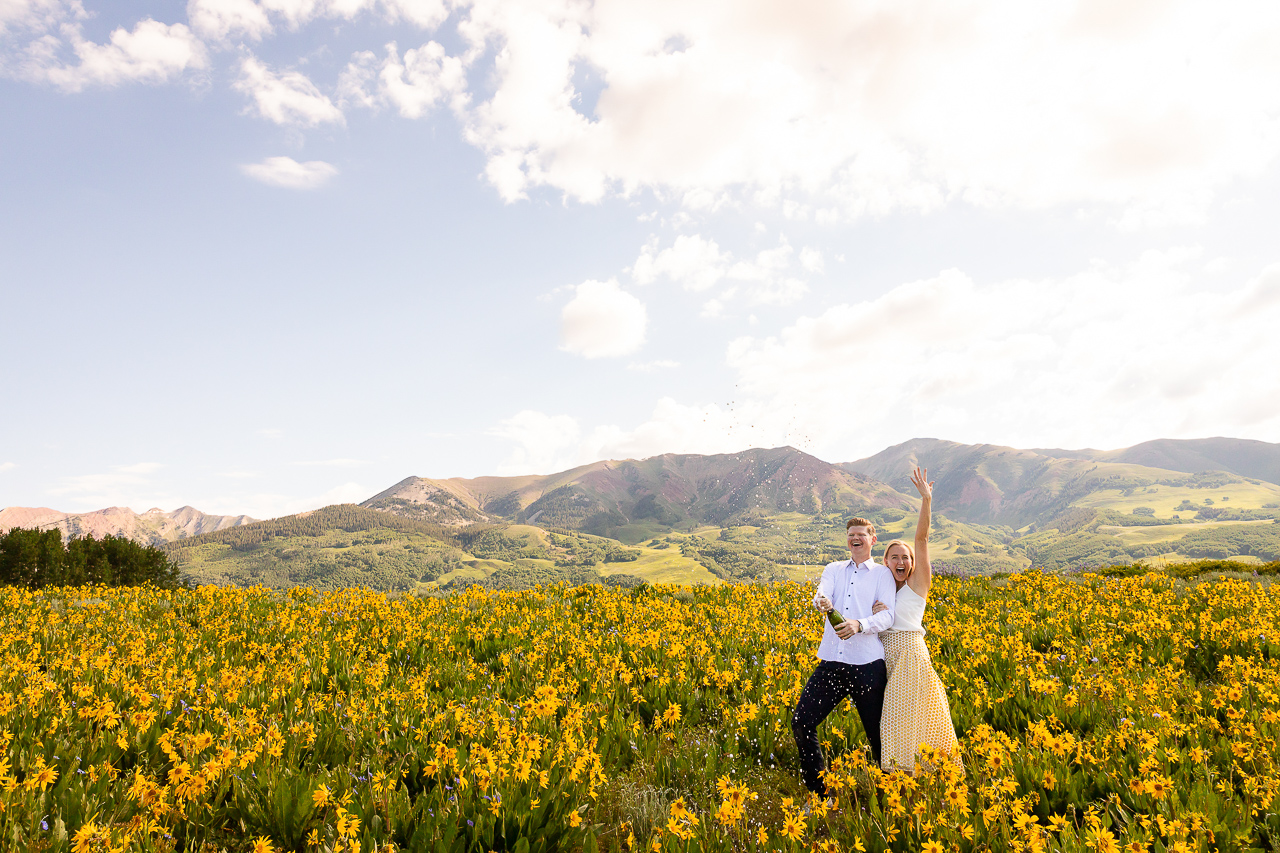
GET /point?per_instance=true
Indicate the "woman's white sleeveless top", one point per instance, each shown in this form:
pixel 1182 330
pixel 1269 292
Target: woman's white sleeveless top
pixel 908 611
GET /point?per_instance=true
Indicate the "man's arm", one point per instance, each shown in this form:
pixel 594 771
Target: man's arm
pixel 886 592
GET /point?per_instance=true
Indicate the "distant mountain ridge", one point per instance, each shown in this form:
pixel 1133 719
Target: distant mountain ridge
pixel 153 527
pixel 668 491
pixel 994 484
pixel 1002 493
pixel 1244 457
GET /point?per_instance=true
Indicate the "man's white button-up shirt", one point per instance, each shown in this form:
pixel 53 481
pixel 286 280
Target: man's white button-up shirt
pixel 853 589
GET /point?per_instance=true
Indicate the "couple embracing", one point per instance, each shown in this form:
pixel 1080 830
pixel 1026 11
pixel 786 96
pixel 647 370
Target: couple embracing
pixel 877 656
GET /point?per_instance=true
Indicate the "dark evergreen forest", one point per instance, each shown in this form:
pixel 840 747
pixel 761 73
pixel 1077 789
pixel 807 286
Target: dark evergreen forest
pixel 39 558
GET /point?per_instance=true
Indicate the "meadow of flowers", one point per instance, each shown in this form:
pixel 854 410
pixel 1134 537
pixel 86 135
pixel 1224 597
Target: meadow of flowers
pixel 1125 714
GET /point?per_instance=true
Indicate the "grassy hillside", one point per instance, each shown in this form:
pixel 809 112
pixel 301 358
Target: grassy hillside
pixel 1256 459
pixel 388 552
pixel 350 546
pixel 634 500
pixel 761 515
pixel 995 485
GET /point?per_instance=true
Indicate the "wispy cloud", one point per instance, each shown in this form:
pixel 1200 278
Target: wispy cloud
pixel 543 442
pixel 289 173
pixel 288 97
pixel 139 468
pixel 651 366
pixel 602 321
pixel 122 485
pixel 333 463
pixel 273 505
pixel 151 52
pixel 7 466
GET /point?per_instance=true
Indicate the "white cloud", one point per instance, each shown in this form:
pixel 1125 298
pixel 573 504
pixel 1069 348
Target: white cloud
pixel 7 466
pixel 140 468
pixel 771 285
pixel 651 366
pixel 551 443
pixel 220 19
pixel 673 427
pixel 286 98
pixel 698 263
pixel 123 485
pixel 811 260
pixel 427 76
pixel 848 109
pixel 37 15
pixel 296 13
pixel 602 321
pixel 546 443
pixel 1141 349
pixel 289 173
pixel 694 261
pixel 332 463
pixel 1143 111
pixel 151 52
pixel 263 505
pixel 1107 357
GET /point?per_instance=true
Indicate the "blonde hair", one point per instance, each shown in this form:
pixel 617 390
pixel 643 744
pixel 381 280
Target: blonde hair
pixel 860 522
pixel 911 552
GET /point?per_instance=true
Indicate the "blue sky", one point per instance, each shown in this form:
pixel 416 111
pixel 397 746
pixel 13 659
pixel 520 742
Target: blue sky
pixel 257 256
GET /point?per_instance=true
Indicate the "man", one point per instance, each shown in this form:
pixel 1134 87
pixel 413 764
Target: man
pixel 851 656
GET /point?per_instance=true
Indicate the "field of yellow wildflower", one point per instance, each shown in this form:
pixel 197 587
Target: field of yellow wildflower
pixel 1124 714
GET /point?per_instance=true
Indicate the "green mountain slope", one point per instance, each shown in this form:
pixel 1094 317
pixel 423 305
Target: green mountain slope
pixel 349 546
pixel 995 485
pixel 1246 458
pixel 329 548
pixel 632 500
pixel 757 515
pixel 1078 509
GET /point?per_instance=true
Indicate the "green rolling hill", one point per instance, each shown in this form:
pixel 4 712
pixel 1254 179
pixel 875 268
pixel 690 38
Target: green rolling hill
pixel 1246 458
pixel 767 514
pixel 1074 508
pixel 632 500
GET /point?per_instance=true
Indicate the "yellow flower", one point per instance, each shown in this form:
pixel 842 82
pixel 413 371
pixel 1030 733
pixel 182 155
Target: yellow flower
pixel 262 844
pixel 1103 841
pixel 320 796
pixel 575 819
pixel 44 778
pixel 83 840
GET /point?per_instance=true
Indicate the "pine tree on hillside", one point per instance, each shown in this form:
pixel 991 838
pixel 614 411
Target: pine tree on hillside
pixel 37 559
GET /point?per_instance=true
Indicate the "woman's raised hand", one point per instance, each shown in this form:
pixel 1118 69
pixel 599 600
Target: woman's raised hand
pixel 923 486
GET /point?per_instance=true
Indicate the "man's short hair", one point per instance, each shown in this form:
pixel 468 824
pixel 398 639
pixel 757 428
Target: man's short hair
pixel 860 522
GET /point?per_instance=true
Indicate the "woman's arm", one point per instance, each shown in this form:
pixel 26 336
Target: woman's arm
pixel 922 576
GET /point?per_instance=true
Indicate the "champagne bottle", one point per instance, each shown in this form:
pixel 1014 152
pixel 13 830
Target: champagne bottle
pixel 834 617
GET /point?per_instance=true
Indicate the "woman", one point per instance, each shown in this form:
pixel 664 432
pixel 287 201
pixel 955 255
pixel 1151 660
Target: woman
pixel 915 704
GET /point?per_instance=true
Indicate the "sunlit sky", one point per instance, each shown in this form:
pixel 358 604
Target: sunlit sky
pixel 258 256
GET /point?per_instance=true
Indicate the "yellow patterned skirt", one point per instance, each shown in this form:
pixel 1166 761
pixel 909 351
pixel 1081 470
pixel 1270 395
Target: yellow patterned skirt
pixel 915 704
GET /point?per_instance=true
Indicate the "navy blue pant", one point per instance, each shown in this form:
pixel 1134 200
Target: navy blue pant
pixel 830 684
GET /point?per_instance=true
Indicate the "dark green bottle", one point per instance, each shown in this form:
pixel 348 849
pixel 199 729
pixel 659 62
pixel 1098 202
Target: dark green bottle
pixel 834 617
